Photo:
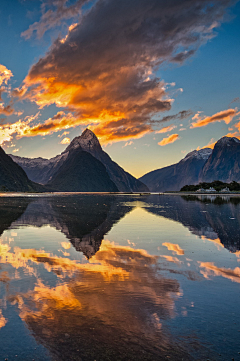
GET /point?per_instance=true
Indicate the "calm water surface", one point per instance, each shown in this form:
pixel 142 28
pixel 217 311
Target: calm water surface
pixel 110 277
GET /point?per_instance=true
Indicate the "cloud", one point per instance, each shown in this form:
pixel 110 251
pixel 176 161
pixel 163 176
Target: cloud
pixel 172 259
pixel 210 144
pixel 235 100
pixel 7 110
pixel 166 129
pixel 235 134
pixel 225 115
pixel 65 141
pixel 53 13
pixel 105 74
pixel 62 135
pixel 3 320
pixel 175 248
pixel 59 121
pixel 5 75
pixel 20 128
pixel 171 139
pixel 127 144
pixel 25 128
pixel 209 269
pixel 77 299
pixel 179 116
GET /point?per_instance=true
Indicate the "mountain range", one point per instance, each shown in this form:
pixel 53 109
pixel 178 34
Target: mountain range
pixel 204 165
pixel 82 167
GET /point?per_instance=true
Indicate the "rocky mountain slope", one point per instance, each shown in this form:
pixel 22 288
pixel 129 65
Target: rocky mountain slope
pixel 224 162
pixel 43 170
pixel 13 177
pixel 175 176
pixel 81 172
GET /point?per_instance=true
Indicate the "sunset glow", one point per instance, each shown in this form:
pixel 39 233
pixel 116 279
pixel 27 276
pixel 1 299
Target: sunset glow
pixel 147 79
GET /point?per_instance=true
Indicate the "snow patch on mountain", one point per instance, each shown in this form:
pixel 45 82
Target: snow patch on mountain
pixel 198 154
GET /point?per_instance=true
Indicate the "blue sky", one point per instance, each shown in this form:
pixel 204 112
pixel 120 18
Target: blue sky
pixel 207 82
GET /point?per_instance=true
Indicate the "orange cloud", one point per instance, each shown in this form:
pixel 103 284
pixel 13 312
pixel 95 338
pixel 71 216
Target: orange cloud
pixel 166 129
pixel 216 241
pixel 21 128
pixel 3 320
pixel 210 144
pixel 7 110
pixel 174 247
pixel 101 110
pixel 86 303
pixel 62 135
pixel 225 115
pixel 66 245
pixel 172 259
pixel 117 92
pixel 65 141
pixel 171 139
pixel 211 270
pixel 5 74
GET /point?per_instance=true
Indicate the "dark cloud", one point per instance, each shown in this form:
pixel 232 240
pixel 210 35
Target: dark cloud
pixel 53 12
pixel 7 110
pixel 235 100
pixel 179 116
pixel 103 70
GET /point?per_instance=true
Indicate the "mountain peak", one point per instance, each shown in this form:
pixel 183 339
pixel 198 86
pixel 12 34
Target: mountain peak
pixel 87 141
pixel 88 134
pixel 227 141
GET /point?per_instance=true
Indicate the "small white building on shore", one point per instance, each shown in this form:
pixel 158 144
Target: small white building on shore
pixel 210 190
pixel 225 190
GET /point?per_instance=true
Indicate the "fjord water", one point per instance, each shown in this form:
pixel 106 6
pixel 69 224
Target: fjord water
pixel 119 277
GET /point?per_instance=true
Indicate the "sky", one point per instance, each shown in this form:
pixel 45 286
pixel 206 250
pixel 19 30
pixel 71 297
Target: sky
pixel 153 79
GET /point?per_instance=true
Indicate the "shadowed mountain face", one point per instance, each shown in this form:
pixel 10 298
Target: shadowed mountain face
pixel 13 177
pixel 215 218
pixel 224 162
pixel 83 219
pixel 11 209
pixel 175 176
pixel 81 172
pixel 205 165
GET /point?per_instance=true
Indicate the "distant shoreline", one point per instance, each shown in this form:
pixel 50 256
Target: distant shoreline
pixel 201 194
pixel 55 194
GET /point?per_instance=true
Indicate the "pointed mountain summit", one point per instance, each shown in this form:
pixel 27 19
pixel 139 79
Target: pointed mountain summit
pixel 54 171
pixel 87 141
pixel 124 181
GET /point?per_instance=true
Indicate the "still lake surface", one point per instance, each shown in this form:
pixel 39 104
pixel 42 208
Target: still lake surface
pixel 119 277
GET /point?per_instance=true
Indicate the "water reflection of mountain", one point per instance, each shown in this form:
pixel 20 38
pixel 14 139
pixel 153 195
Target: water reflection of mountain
pixel 83 219
pixel 10 210
pixel 213 218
